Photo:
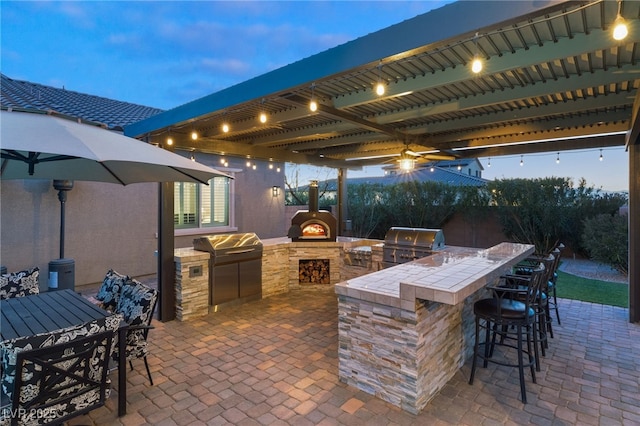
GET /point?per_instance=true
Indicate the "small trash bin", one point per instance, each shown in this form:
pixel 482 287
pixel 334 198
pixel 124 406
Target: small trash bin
pixel 62 274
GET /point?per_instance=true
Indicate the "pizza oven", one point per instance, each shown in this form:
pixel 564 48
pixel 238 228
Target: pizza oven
pixel 313 224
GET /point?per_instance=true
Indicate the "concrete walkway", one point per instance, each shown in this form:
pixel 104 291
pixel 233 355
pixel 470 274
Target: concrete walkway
pixel 593 270
pixel 274 362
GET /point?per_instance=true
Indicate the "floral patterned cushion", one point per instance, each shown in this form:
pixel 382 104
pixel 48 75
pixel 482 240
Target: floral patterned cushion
pixel 136 305
pixel 17 284
pixel 109 291
pixel 9 349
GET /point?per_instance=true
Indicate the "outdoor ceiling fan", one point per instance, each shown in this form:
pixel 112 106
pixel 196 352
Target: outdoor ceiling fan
pixel 408 158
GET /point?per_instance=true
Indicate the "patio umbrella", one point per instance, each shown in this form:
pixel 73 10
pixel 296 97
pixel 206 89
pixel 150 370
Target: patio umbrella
pixel 43 146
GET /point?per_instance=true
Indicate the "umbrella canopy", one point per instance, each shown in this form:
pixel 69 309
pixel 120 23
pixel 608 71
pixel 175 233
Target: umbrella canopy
pixel 43 146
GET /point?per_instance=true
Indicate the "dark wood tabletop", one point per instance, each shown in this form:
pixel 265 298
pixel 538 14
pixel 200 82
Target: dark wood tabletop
pixel 53 310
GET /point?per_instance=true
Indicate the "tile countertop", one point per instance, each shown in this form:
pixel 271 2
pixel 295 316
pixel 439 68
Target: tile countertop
pixel 448 276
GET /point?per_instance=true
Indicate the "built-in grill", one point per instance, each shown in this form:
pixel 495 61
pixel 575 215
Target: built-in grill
pixel 235 267
pixel 313 224
pixel 403 245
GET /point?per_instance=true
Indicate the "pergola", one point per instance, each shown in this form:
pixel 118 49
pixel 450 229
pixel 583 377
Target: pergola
pixel 553 79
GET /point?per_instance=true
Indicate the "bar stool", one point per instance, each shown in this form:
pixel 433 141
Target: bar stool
pixel 511 308
pixel 553 301
pixel 542 302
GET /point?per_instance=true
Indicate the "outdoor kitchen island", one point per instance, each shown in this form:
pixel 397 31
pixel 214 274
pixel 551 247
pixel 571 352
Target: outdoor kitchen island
pixel 404 331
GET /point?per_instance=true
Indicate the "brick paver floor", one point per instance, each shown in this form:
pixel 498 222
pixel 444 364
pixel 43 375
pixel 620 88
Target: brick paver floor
pixel 275 361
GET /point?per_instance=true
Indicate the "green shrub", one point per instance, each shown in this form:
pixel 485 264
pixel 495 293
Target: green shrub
pixel 606 238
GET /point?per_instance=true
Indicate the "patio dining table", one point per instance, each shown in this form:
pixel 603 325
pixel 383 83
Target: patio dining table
pixel 54 310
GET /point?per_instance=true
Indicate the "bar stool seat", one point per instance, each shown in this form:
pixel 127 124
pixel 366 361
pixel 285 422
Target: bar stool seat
pixel 509 314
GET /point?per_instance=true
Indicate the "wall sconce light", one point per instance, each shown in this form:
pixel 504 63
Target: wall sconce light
pixel 275 191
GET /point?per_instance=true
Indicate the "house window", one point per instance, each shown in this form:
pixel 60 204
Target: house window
pixel 201 206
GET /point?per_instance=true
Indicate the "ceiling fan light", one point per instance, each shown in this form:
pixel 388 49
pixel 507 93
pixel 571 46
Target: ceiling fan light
pixel 406 164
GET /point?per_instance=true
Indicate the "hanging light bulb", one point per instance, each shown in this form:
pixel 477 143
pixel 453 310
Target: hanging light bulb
pixel 225 128
pixel 489 163
pixel 169 141
pixel 193 156
pixel 253 167
pixel 521 161
pixel 380 87
pixel 263 115
pixel 558 159
pixel 194 135
pixel 278 169
pixel 620 30
pixel 459 167
pixel 313 104
pixel 248 163
pixel 601 157
pixel 432 168
pixel 476 63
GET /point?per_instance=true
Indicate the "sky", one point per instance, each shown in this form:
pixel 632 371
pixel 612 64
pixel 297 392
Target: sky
pixel 166 53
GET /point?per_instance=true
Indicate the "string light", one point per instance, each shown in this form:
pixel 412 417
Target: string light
pixel 263 115
pixel 620 30
pixel 476 64
pixel 380 89
pixel 558 159
pixel 313 105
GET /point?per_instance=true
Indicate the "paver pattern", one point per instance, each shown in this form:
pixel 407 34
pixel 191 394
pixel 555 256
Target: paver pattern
pixel 274 361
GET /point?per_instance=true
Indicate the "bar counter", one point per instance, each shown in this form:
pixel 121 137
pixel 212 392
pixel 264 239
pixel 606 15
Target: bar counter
pixel 405 331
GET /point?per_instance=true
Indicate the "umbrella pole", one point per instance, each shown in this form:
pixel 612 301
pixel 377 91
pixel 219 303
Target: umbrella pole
pixel 62 186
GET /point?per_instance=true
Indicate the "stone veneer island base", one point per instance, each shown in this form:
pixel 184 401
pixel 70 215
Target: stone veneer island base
pixel 406 330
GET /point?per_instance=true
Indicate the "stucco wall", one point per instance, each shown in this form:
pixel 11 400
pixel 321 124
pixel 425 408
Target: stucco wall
pixel 107 226
pixel 113 226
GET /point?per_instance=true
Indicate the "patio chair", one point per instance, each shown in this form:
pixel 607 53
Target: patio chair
pixel 51 377
pixel 109 292
pixel 18 284
pixel 509 314
pixel 136 303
